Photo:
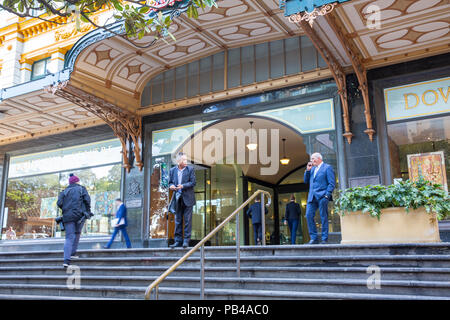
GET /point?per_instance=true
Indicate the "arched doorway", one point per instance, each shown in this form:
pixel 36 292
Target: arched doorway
pixel 228 173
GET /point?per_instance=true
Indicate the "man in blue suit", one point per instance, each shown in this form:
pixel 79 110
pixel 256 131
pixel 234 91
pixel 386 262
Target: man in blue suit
pixel 121 225
pixel 182 182
pixel 321 179
pixel 254 212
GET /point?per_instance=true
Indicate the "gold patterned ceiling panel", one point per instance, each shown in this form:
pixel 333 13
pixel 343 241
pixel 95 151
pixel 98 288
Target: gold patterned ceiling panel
pixel 39 113
pixel 392 31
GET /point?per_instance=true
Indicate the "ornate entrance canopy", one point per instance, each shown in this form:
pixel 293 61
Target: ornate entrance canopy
pixel 353 38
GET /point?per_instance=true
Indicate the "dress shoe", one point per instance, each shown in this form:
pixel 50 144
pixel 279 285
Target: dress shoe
pixel 176 244
pixel 313 242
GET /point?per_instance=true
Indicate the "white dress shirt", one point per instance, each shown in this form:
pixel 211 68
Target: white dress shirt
pixel 317 169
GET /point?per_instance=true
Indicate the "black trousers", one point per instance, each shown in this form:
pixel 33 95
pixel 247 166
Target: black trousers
pixel 183 215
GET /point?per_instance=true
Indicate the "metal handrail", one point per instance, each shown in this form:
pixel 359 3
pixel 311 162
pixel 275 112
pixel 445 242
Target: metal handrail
pixel 155 284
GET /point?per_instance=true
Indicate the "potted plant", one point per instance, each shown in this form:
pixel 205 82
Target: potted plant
pixel 405 212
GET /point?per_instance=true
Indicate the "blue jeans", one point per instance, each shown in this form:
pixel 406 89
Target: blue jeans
pixel 123 229
pixel 293 225
pixel 73 233
pixel 311 209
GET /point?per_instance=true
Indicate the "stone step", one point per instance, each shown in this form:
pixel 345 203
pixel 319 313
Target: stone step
pixel 232 294
pixel 167 293
pixel 387 273
pixel 45 297
pixel 283 250
pixel 442 261
pixel 432 288
pixel 429 288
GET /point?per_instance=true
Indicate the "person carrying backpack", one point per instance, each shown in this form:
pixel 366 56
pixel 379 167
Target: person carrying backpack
pixel 75 203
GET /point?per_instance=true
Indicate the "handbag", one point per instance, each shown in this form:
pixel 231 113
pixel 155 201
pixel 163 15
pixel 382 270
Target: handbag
pixel 173 204
pixel 115 222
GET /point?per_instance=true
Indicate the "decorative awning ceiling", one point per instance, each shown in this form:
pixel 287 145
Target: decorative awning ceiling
pixel 115 71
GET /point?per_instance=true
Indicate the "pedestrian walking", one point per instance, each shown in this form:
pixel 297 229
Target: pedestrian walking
pixel 75 203
pixel 254 212
pixel 292 217
pixel 121 224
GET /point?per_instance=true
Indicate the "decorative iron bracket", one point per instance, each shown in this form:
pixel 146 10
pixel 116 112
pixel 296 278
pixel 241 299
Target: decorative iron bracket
pixel 361 74
pixel 124 124
pixel 335 68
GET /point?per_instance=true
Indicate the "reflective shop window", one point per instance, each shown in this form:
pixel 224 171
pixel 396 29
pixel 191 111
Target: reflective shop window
pixel 35 181
pixel 421 147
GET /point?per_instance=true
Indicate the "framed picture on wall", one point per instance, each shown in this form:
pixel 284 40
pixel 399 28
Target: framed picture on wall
pixel 430 165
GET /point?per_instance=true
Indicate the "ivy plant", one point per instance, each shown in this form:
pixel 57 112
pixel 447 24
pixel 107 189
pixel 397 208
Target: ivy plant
pixel 371 199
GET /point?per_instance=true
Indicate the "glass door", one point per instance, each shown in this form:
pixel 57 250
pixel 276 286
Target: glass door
pixel 201 210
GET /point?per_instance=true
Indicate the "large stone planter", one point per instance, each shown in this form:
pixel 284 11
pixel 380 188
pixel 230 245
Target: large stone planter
pixel 395 226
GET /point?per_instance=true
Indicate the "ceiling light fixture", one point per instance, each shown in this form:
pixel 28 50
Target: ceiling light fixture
pixel 284 161
pixel 251 146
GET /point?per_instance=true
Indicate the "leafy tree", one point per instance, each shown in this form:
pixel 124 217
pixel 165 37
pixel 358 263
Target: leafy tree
pixel 139 17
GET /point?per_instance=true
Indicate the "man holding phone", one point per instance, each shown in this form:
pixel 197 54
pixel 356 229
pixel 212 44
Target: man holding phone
pixel 321 179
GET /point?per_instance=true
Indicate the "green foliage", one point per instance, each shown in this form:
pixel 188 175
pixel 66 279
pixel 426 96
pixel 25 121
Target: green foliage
pixel 371 199
pixel 133 13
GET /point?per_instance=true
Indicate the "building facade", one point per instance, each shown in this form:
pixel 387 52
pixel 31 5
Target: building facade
pixel 372 100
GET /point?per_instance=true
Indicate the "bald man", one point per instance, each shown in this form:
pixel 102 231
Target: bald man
pixel 322 181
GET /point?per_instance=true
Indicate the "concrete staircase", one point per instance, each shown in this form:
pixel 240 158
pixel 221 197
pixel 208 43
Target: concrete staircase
pixel 408 271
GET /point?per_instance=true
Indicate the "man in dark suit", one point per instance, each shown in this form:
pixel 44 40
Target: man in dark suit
pixel 292 217
pixel 322 181
pixel 254 212
pixel 182 182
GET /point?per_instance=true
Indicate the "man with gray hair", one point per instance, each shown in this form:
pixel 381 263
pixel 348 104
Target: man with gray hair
pixel 322 181
pixel 182 182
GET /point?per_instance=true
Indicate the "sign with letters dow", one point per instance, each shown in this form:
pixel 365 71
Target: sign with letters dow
pixel 417 100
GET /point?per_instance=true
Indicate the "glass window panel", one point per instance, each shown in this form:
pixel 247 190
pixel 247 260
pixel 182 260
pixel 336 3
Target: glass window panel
pixel 276 59
pixel 295 177
pixel 205 75
pixel 30 205
pixel 425 138
pixel 322 63
pixel 292 46
pixel 87 155
pixel 157 89
pixel 308 54
pixel 234 70
pixel 193 78
pixel 145 99
pixel 39 68
pixel 103 186
pixel 248 65
pixel 169 76
pixel 180 82
pixel 262 61
pixel 218 71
